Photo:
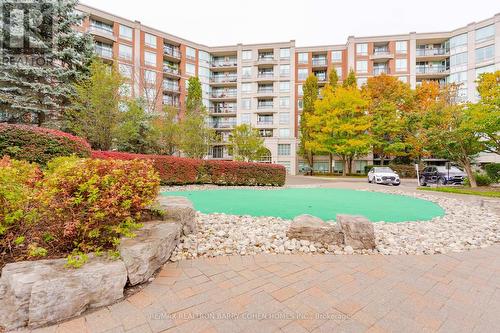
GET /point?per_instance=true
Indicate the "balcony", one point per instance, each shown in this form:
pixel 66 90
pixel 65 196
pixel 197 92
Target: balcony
pixel 169 87
pixel 172 53
pixel 172 71
pixel 381 70
pixel 222 110
pixel 431 71
pixel 265 76
pixel 222 124
pixel 319 62
pixel 381 53
pixel 265 91
pixel 265 106
pixel 265 123
pixel 433 53
pixel 265 59
pixel 224 94
pixel 224 63
pixel 102 32
pixel 232 78
pixel 321 76
pixel 104 52
pixel 174 104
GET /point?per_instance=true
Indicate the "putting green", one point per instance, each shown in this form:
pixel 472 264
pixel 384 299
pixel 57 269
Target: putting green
pixel 325 203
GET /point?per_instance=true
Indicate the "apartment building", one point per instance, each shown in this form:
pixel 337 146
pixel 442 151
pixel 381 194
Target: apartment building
pixel 261 84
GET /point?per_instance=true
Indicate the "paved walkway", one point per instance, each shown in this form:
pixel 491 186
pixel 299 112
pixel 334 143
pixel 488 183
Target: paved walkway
pixel 458 292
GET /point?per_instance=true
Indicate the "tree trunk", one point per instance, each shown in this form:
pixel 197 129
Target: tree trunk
pixel 382 159
pixel 470 174
pixel 344 169
pixel 330 161
pixel 349 165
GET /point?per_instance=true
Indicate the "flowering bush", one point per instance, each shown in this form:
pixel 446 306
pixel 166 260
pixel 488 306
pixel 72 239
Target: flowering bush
pixel 78 206
pixel 38 144
pixel 181 171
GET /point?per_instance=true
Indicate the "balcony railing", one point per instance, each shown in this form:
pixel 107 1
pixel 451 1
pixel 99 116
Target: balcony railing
pixel 223 94
pixel 176 53
pixel 381 51
pixel 171 103
pixel 265 105
pixel 101 29
pixel 431 52
pixel 264 122
pixel 224 78
pixel 171 70
pixel 265 74
pixel 265 58
pixel 222 124
pixel 380 70
pixel 319 62
pixel 171 87
pixel 431 69
pixel 265 90
pixel 321 77
pixel 224 63
pixel 104 52
pixel 221 109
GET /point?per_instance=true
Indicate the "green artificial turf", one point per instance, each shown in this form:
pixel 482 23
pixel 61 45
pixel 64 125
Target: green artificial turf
pixel 325 203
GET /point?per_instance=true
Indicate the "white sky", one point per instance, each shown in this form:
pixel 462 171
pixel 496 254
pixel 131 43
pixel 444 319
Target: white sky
pixel 309 22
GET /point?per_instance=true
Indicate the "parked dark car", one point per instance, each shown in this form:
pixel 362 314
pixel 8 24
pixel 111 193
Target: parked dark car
pixel 440 175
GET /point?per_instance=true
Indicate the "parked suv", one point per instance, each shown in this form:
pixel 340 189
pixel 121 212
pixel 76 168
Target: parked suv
pixel 442 176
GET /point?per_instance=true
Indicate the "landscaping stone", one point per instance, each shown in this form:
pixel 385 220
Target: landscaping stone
pixel 358 231
pixel 36 293
pixel 181 210
pixel 149 250
pixel 310 228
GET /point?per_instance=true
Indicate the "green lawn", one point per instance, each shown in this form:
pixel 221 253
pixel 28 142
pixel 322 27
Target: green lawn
pixel 325 203
pixel 460 190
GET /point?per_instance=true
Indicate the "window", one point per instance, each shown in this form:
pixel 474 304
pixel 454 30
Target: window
pixel 150 58
pixel 246 87
pixel 203 72
pixel 150 40
pixel 361 81
pixel 401 47
pixel 246 55
pixel 125 52
pixel 190 53
pixel 458 59
pixel 245 118
pixel 362 66
pixel 284 102
pixel 204 57
pixel 284 70
pixel 300 90
pixel 150 76
pixel 285 53
pixel 362 49
pixel 337 56
pixel 339 72
pixel 458 40
pixel 303 72
pixel 485 53
pixel 190 70
pixel 283 149
pixel 303 58
pixel 300 104
pixel 125 90
pixel 284 86
pixel 125 70
pixel 284 132
pixel 246 103
pixel 401 65
pixel 485 33
pixel 284 118
pixel 403 79
pixel 485 69
pixel 246 72
pixel 125 32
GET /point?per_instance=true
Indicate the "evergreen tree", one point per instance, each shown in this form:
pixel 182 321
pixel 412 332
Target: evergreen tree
pixel 310 95
pixel 94 113
pixel 333 78
pixel 246 144
pixel 350 81
pixel 36 88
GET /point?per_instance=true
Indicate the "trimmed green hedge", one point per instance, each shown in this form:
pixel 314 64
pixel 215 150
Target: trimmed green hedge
pixel 38 144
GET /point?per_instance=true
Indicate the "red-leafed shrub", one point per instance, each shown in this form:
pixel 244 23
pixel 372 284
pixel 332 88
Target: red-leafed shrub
pixel 77 206
pixel 181 171
pixel 38 144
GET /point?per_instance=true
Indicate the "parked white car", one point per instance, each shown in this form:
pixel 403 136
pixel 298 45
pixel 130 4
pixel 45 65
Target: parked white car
pixel 383 175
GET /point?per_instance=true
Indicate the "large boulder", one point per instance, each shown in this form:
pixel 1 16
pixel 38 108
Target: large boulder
pixel 181 210
pixel 358 231
pixel 314 229
pixel 36 293
pixel 149 250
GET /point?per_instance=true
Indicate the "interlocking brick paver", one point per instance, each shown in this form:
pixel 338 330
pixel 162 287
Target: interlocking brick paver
pixel 459 292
